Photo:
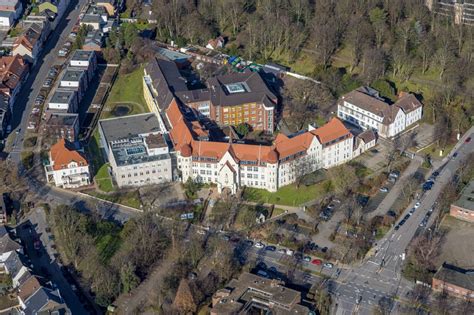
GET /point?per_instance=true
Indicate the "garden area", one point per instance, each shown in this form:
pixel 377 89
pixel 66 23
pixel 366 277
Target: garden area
pixel 290 195
pixel 126 96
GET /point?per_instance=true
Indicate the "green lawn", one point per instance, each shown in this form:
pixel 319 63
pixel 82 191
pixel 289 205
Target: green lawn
pixel 128 88
pixel 127 91
pixel 288 195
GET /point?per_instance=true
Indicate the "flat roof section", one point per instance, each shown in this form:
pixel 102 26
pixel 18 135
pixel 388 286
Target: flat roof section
pixel 466 200
pixel 128 126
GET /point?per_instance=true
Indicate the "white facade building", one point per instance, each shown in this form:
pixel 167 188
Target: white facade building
pixel 366 109
pixel 67 168
pixel 137 150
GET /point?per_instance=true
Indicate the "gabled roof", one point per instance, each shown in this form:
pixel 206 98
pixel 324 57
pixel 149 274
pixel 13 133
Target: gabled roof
pixel 62 156
pixel 28 288
pixel 408 102
pixel 331 131
pixel 455 275
pixel 42 300
pixel 12 70
pixel 29 38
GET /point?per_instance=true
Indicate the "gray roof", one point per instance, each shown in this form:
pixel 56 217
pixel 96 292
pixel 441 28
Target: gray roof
pixel 194 96
pixel 63 96
pixel 13 263
pixel 82 55
pixel 466 200
pixel 172 55
pixel 6 13
pixel 42 298
pixel 63 119
pixel 455 275
pixel 240 88
pixel 129 126
pixel 166 80
pixel 73 74
pixel 91 18
pixel 6 243
pixel 134 151
pixel 408 102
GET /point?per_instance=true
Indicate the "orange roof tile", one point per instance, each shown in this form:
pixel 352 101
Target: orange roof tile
pixel 61 156
pixel 333 130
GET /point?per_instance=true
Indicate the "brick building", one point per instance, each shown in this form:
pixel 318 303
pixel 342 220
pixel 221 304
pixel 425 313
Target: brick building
pixel 463 208
pixel 455 281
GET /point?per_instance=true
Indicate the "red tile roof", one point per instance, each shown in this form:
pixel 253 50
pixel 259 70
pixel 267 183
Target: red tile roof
pixel 61 156
pixel 183 135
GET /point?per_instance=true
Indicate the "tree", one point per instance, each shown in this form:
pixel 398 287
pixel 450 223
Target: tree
pixel 243 129
pixel 184 300
pixel 343 178
pixel 378 18
pixel 323 302
pixel 128 279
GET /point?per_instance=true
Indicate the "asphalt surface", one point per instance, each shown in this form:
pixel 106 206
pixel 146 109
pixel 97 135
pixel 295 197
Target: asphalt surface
pixel 361 288
pixel 31 87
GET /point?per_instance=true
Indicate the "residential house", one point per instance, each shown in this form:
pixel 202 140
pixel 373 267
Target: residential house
pixel 216 43
pixel 28 44
pixel 96 17
pixel 455 281
pixel 58 7
pixel 366 109
pixel 108 5
pixel 41 22
pixel 62 125
pixel 363 142
pixel 27 289
pixel 93 41
pixel 12 263
pixel 13 70
pixel 15 6
pixel 463 208
pixel 67 167
pixel 136 149
pixel 63 100
pixel 252 294
pixel 7 244
pixel 4 114
pixel 44 301
pixel 7 18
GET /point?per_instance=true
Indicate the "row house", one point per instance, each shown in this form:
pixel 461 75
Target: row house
pixel 366 109
pixel 29 43
pixel 13 71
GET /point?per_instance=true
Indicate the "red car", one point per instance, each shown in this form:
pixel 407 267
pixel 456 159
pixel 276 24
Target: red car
pixel 468 140
pixel 316 262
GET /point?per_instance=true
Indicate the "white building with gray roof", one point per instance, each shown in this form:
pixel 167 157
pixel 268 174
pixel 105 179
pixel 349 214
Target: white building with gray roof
pixel 137 150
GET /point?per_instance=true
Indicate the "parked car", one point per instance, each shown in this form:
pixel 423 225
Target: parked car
pixel 47 83
pixel 417 205
pixel 259 245
pixel 282 251
pixel 435 174
pixel 290 252
pixel 397 227
pixel 316 262
pixel 468 139
pixel 383 189
pixel 324 249
pixel 270 248
pixel 328 265
pixel 307 258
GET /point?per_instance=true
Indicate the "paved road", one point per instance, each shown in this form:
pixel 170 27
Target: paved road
pixel 38 74
pixel 380 275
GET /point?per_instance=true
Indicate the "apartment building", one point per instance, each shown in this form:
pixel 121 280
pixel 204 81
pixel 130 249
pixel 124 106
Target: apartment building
pixel 63 100
pixel 463 208
pixel 455 281
pixel 84 59
pixel 461 11
pixel 15 6
pixel 252 294
pixel 365 108
pixel 67 167
pixel 137 150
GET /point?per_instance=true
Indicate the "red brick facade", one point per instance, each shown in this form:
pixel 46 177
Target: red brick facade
pixel 461 213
